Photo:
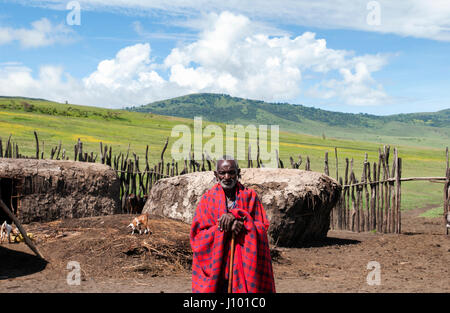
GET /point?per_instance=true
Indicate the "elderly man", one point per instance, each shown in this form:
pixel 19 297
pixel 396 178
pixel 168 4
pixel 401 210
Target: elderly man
pixel 228 207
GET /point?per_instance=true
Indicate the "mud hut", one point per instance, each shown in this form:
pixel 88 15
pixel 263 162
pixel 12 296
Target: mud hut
pixel 46 190
pixel 298 203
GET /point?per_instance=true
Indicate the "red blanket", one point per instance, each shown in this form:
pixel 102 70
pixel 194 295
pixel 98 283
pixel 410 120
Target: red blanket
pixel 252 267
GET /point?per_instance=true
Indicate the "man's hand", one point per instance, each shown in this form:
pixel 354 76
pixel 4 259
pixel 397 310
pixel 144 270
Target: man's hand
pixel 237 227
pixel 226 221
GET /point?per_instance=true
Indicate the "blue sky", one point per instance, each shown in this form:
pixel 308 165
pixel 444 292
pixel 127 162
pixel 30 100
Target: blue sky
pixel 327 54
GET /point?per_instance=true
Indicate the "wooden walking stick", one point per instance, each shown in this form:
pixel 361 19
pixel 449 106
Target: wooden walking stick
pixel 230 273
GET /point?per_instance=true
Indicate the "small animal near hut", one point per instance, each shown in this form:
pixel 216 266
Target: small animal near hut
pixel 140 223
pixel 6 231
pixel 135 204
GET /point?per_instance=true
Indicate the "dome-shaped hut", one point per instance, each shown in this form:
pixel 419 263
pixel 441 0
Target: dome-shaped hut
pixel 46 190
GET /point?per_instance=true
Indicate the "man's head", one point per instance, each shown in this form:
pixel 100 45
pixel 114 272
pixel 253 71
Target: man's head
pixel 227 172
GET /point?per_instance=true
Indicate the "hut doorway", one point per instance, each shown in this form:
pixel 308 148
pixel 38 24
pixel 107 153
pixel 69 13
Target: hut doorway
pixel 9 193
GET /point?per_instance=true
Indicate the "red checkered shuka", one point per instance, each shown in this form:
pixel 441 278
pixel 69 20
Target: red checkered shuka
pixel 252 266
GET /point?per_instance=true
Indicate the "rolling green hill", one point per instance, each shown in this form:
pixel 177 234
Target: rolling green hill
pixel 64 123
pixel 420 129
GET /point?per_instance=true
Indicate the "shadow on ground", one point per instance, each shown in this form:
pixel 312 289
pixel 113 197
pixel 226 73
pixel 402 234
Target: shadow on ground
pixel 330 241
pixel 16 263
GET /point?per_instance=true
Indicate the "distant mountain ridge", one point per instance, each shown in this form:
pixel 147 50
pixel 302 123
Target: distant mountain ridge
pixel 415 129
pixel 298 118
pixel 199 105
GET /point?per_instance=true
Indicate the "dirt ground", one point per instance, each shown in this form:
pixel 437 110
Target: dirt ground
pixel 113 260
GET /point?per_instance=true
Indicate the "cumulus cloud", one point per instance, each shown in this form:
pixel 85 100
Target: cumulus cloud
pixel 42 33
pixel 357 87
pixel 231 56
pixel 416 18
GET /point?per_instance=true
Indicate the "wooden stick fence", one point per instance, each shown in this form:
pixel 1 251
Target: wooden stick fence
pixel 378 209
pixel 446 194
pixel 373 203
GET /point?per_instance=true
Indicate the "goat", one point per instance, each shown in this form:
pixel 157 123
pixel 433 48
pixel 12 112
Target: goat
pixel 6 231
pixel 138 223
pixel 131 204
pixel 135 204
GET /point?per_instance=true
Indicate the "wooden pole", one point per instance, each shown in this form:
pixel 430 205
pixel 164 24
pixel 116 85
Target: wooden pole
pixel 162 153
pixel 337 164
pixel 366 191
pixel 22 231
pixel 387 195
pixel 230 272
pixel 373 192
pixel 258 161
pixel 172 170
pixel 363 188
pixel 446 195
pixel 387 153
pixel 446 153
pixel 358 223
pixel 393 195
pixel 102 156
pixel 278 159
pixel 379 194
pixel 372 198
pixel 446 191
pixel 399 195
pixel 37 145
pixel 353 214
pixel 249 156
pixel 360 209
pixel 348 201
pixel 341 206
pixel 203 163
pixel 8 148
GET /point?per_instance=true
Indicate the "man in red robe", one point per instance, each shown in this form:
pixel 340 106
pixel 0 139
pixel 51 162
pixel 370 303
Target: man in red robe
pixel 229 207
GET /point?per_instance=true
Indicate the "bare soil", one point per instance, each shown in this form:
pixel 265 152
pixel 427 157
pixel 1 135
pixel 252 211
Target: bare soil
pixel 111 259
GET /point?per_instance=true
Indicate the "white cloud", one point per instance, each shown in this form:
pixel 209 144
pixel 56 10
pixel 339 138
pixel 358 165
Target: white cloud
pixel 230 56
pixel 416 18
pixel 42 33
pixel 6 35
pixel 255 65
pixel 128 63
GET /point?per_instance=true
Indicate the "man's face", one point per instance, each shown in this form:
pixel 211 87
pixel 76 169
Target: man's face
pixel 227 174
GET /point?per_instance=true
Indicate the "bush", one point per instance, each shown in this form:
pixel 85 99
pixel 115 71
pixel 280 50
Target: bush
pixel 27 107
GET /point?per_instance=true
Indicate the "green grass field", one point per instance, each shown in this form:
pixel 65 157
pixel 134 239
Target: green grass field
pixel 56 122
pixel 432 213
pixel 430 129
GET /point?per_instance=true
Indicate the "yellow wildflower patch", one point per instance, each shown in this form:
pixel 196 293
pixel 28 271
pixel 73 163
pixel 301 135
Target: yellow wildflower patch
pixel 87 138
